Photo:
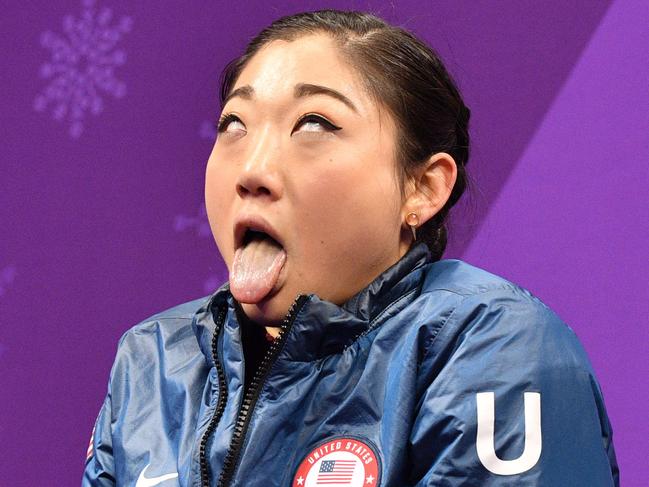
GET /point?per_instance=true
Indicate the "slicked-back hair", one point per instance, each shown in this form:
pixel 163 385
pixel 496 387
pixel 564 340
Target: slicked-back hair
pixel 403 74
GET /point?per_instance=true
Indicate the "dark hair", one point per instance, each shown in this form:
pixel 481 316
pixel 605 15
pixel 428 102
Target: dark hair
pixel 400 72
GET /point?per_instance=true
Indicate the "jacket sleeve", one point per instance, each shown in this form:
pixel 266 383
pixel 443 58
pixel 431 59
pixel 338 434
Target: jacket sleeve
pixel 509 398
pixel 99 469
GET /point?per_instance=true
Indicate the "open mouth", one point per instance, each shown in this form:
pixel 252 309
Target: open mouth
pixel 249 229
pixel 257 235
pixel 258 261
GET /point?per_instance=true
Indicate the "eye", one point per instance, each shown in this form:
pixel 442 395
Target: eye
pixel 224 122
pixel 312 121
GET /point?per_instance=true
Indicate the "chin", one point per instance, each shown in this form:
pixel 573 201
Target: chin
pixel 269 312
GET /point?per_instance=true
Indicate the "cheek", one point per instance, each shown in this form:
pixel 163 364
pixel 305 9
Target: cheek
pixel 339 206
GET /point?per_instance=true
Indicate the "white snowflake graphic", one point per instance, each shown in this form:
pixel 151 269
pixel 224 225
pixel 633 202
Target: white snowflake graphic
pixel 82 65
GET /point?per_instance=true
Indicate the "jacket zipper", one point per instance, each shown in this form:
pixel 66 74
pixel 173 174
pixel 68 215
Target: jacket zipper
pixel 250 400
pixel 220 407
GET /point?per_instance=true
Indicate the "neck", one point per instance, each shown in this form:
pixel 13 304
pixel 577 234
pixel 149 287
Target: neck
pixel 272 331
pixel 246 321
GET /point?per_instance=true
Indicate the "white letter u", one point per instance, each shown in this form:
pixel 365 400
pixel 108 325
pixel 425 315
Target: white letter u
pixel 485 442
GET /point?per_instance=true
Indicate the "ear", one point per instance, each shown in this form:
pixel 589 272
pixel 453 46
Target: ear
pixel 431 188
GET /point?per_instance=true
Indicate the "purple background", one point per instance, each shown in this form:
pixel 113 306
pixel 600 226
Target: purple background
pixel 101 187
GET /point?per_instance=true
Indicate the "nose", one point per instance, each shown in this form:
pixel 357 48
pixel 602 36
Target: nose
pixel 259 175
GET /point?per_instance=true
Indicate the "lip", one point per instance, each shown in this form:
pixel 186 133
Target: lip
pixel 253 222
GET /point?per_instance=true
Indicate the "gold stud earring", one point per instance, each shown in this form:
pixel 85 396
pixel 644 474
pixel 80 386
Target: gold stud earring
pixel 412 220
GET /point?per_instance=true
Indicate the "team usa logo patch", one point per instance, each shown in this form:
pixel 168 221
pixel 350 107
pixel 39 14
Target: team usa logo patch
pixel 339 462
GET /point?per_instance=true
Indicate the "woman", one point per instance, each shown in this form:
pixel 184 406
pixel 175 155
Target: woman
pixel 343 350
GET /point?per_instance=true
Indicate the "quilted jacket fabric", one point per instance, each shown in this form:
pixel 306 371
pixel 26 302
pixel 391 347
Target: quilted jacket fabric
pixel 435 374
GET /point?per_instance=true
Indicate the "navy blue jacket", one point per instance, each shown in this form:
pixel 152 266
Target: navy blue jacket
pixel 436 374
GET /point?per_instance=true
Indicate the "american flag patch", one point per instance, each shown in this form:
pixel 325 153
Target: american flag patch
pixel 339 462
pixel 338 472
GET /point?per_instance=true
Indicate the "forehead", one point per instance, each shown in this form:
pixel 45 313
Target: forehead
pixel 277 67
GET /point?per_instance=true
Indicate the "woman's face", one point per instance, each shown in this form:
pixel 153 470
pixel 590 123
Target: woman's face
pixel 330 196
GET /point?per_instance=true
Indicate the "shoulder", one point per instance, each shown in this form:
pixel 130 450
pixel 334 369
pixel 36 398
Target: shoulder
pixel 164 324
pixel 460 277
pixel 486 315
pixel 157 359
pixel 162 339
pixel 500 360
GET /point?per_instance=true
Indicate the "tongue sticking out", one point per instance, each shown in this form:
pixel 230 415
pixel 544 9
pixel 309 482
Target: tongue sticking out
pixel 256 268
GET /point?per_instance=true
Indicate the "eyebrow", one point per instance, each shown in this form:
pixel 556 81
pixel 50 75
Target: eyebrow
pixel 301 90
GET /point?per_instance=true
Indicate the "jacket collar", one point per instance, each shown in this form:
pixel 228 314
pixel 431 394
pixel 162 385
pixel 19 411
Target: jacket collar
pixel 321 327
